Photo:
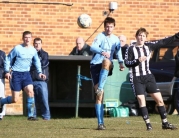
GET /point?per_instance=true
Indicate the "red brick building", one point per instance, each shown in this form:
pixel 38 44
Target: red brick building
pixel 55 21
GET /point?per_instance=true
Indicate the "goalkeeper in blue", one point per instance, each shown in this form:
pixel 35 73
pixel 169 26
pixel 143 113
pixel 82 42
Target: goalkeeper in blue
pixel 17 66
pixel 103 47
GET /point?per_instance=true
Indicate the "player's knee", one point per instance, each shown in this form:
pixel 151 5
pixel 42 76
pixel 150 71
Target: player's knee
pixel 106 63
pixel 160 103
pixel 15 100
pixel 98 100
pixel 139 98
pixel 30 93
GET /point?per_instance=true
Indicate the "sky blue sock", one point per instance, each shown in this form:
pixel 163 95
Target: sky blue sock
pixel 30 106
pixel 102 78
pixel 98 113
pixel 7 100
pixel 102 114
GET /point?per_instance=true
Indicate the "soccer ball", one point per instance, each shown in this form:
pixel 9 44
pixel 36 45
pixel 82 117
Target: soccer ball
pixel 84 21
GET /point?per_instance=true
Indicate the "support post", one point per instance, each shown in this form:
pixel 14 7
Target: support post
pixel 77 90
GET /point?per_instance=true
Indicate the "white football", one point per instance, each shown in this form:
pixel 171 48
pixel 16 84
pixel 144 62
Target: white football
pixel 84 21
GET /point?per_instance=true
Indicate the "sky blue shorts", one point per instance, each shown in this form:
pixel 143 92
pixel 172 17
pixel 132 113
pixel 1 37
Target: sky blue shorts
pixel 20 80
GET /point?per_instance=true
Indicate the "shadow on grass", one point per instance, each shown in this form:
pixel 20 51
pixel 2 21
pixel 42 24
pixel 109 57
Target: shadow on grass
pixel 57 112
pixel 64 113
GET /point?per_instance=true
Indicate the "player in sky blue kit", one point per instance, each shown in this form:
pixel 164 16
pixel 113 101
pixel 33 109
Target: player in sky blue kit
pixel 17 66
pixel 103 48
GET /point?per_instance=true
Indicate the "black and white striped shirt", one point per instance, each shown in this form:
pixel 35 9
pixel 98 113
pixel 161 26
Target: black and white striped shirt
pixel 133 53
pixel 138 68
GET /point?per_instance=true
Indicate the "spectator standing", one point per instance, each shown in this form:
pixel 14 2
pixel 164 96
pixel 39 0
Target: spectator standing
pixel 40 85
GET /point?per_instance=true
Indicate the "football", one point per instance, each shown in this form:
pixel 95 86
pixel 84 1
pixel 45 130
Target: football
pixel 84 21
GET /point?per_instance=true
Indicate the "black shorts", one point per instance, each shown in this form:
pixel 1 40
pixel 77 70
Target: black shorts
pixel 142 84
pixel 95 71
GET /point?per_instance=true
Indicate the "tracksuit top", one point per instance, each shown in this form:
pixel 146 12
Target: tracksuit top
pixel 44 59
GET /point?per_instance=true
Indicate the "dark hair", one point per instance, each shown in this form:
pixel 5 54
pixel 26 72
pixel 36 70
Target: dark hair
pixel 37 39
pixel 26 33
pixel 141 30
pixel 109 20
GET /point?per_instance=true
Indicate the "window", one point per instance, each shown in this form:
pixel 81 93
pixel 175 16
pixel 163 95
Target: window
pixel 166 54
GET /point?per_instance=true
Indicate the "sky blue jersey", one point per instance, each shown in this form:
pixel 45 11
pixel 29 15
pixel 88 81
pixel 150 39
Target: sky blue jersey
pixel 21 58
pixel 103 43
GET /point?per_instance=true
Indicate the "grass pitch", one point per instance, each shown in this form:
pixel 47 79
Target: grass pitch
pixel 19 127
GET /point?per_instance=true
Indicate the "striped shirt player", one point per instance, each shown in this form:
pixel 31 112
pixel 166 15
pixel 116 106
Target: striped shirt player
pixel 137 68
pixel 142 80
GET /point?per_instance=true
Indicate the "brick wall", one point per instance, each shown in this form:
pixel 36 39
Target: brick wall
pixel 56 24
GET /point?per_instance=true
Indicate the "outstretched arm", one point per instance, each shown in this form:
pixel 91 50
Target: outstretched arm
pixel 162 42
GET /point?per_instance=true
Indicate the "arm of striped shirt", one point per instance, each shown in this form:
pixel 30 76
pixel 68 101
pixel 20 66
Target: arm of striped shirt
pixel 129 60
pixel 162 42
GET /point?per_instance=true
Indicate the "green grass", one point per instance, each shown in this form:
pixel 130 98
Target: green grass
pixel 19 127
